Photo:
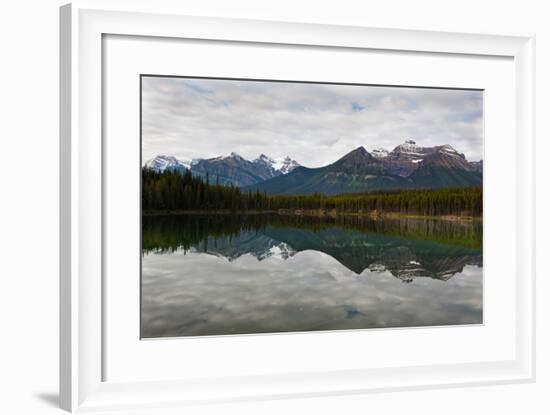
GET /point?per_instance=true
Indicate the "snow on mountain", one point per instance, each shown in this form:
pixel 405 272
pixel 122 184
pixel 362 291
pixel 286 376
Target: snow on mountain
pixel 410 148
pixel 262 158
pixel 410 151
pixel 380 168
pixel 265 161
pixel 236 156
pixel 282 166
pixel 287 165
pixel 380 153
pixel 230 156
pixel 230 168
pixel 163 163
pixel 449 150
pixel 405 158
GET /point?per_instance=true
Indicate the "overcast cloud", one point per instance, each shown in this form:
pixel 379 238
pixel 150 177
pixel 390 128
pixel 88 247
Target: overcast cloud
pixel 314 124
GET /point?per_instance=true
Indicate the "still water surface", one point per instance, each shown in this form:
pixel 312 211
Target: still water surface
pixel 230 274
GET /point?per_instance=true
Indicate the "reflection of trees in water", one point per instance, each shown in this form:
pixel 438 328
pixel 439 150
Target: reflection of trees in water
pixel 407 248
pixel 172 232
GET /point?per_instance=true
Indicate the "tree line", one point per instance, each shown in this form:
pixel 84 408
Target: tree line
pixel 176 191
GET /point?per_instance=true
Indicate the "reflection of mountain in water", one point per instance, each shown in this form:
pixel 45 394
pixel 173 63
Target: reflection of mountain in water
pixel 405 259
pixel 407 250
pixel 257 244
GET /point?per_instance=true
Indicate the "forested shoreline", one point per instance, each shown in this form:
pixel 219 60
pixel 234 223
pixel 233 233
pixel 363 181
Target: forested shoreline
pixel 173 191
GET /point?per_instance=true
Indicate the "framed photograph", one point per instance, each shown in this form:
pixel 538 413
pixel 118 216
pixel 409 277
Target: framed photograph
pixel 256 242
pixel 257 210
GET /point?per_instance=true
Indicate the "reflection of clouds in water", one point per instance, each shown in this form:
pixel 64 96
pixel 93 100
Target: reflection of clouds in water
pixel 197 294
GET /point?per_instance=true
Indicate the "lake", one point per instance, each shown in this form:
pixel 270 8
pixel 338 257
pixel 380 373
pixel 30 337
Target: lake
pixel 224 274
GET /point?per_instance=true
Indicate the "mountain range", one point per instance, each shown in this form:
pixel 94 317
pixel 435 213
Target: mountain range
pixel 407 166
pixel 232 169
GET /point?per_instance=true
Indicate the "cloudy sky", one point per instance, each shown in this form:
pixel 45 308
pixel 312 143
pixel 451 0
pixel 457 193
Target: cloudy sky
pixel 315 124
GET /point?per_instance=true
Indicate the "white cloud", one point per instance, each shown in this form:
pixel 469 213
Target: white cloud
pixel 310 291
pixel 313 123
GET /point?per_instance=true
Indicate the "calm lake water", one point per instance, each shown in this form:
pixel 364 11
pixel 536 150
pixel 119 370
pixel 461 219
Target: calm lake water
pixel 231 274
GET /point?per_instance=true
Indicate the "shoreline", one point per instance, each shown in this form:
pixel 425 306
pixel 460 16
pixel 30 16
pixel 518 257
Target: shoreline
pixel 316 213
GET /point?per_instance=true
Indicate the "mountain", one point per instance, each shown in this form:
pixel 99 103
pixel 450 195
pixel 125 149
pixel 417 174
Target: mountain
pixel 277 167
pixel 232 169
pixel 405 158
pixel 446 156
pixel 446 168
pixel 357 171
pixel 407 166
pixel 477 166
pixel 166 163
pixel 380 153
pixel 287 165
pixel 268 164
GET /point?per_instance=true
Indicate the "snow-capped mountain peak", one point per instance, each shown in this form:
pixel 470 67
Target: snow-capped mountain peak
pixel 286 165
pixel 409 146
pixel 236 156
pixel 163 163
pixel 410 151
pixel 380 152
pixel 232 155
pixel 448 149
pixel 262 158
pixel 283 165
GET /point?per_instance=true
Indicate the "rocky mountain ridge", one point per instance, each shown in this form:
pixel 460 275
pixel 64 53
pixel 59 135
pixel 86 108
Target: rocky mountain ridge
pixel 407 166
pixel 232 169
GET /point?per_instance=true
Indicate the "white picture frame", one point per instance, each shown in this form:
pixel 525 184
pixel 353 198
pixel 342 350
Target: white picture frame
pixel 83 28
